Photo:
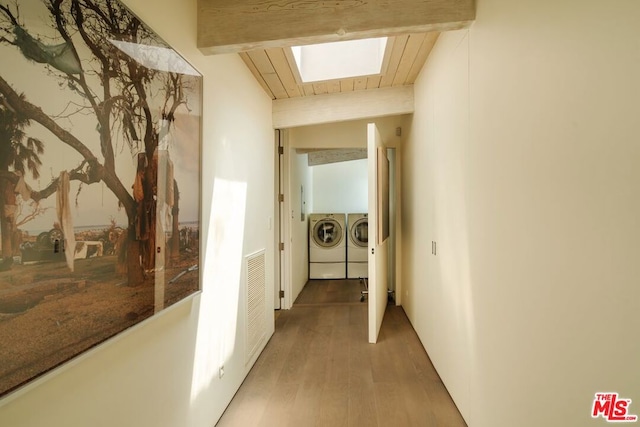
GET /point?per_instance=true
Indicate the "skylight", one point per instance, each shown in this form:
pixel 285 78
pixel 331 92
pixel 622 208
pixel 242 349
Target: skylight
pixel 339 60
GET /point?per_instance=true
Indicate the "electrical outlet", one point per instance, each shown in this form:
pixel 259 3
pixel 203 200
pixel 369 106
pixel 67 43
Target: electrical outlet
pixel 221 372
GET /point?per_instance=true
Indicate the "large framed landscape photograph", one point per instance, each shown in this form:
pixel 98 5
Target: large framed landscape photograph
pixel 100 142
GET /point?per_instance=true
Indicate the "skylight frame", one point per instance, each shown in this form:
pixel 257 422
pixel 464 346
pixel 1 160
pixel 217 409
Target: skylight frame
pixel 294 64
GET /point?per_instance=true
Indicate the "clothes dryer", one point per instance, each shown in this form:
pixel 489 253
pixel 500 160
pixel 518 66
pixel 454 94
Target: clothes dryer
pixel 327 246
pixel 358 246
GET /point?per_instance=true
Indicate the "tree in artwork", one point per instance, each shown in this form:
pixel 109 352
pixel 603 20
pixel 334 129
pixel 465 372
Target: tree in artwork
pixel 83 50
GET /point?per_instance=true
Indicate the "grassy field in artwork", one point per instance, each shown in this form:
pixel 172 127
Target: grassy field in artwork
pixel 47 316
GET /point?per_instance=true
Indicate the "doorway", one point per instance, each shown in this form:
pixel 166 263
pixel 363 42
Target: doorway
pixel 299 199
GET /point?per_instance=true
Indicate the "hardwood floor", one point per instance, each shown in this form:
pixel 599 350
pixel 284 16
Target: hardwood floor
pixel 324 292
pixel 319 370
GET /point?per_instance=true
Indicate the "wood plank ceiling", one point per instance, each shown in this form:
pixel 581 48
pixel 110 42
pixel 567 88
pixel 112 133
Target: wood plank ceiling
pixel 275 69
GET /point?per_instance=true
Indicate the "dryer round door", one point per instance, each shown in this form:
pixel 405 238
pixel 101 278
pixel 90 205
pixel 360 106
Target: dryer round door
pixel 360 233
pixel 327 233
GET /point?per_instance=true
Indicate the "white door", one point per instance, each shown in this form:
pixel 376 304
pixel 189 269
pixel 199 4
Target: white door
pixel 378 229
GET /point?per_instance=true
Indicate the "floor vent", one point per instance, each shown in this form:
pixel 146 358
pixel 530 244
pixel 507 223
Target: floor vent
pixel 256 310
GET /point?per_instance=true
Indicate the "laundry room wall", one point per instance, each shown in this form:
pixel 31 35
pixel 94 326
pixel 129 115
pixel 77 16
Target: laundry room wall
pixel 340 187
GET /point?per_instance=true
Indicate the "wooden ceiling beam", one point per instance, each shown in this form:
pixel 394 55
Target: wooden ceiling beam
pixel 323 157
pixel 337 107
pixel 226 26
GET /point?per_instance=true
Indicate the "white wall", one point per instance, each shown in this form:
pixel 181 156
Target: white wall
pixel 437 289
pixel 164 372
pixel 340 187
pixel 349 134
pixel 523 164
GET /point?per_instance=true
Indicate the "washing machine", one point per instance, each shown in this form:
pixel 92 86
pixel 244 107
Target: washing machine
pixel 327 246
pixel 358 246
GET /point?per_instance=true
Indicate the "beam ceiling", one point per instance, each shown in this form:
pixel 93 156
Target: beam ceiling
pixel 226 26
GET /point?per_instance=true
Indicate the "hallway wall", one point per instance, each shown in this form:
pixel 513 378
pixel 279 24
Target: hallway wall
pixel 164 372
pixel 349 134
pixel 523 165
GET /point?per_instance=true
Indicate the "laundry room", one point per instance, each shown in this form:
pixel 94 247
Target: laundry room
pixel 326 184
pixel 339 195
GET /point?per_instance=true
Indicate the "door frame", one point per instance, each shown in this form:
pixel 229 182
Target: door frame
pixel 286 221
pixel 279 223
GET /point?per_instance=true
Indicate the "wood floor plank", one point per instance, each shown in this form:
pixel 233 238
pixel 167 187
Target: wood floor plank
pixel 363 411
pixel 318 369
pixel 279 406
pixel 444 410
pixel 358 319
pixel 338 356
pixel 360 367
pixel 315 371
pixel 271 362
pixel 417 405
pixel 383 367
pixel 335 407
pixel 323 292
pixel 389 404
pixel 295 360
pixel 247 406
pixel 305 406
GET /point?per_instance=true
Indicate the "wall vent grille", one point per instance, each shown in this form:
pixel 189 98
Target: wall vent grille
pixel 256 308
